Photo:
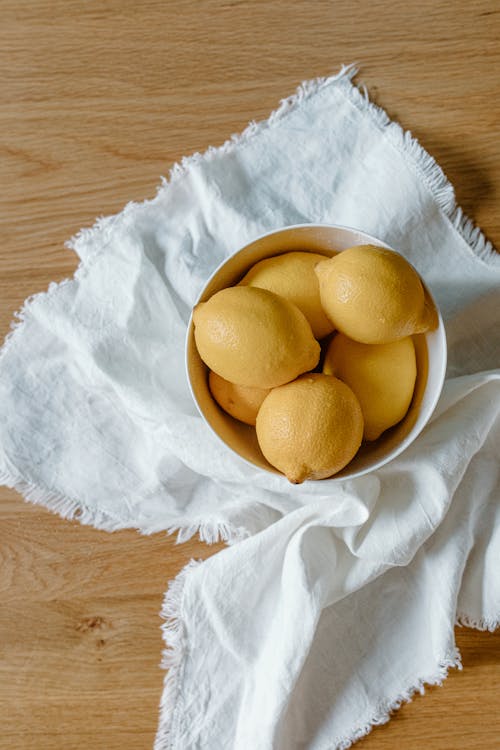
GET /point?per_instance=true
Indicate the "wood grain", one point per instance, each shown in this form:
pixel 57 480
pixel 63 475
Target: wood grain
pixel 99 99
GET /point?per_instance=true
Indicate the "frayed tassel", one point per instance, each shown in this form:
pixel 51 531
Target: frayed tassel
pixel 65 507
pixel 473 236
pixel 422 162
pixel 308 89
pixel 478 623
pixel 304 91
pixel 174 637
pixel 175 652
pixel 208 531
pixel 429 171
pixel 383 714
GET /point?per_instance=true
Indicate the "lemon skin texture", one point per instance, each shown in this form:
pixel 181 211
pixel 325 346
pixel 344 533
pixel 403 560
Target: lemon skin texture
pixel 240 401
pixel 252 337
pixel 310 428
pixel 381 375
pixel 291 275
pixel 373 295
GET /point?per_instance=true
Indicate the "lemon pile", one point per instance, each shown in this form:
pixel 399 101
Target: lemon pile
pixel 259 340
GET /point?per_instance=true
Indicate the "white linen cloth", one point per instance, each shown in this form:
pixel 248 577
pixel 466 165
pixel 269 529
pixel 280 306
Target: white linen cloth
pixel 335 604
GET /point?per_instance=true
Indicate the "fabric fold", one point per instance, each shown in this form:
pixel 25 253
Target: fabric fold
pixel 310 632
pixel 334 602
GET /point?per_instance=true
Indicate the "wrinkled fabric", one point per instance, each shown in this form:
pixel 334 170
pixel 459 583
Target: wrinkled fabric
pixel 339 600
pixel 311 631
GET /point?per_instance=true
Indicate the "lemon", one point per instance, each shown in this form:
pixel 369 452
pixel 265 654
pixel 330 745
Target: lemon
pixel 381 375
pixel 373 295
pixel 292 276
pixel 240 401
pixel 252 337
pixel 311 428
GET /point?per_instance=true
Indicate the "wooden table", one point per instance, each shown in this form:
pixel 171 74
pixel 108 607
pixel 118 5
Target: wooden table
pixel 98 99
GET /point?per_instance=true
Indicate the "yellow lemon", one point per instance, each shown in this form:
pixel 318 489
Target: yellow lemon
pixel 311 428
pixel 373 295
pixel 252 337
pixel 381 375
pixel 292 276
pixel 240 401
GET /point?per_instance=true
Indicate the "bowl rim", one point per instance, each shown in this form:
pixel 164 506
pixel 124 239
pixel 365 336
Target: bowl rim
pixel 414 432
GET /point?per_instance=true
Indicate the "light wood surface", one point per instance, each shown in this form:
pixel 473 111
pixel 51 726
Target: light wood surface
pixel 98 100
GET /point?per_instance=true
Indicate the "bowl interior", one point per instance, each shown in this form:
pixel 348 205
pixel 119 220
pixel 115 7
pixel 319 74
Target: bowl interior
pixel 430 351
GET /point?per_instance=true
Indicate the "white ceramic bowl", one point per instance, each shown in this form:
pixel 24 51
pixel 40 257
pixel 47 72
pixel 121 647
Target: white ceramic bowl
pixel 430 351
